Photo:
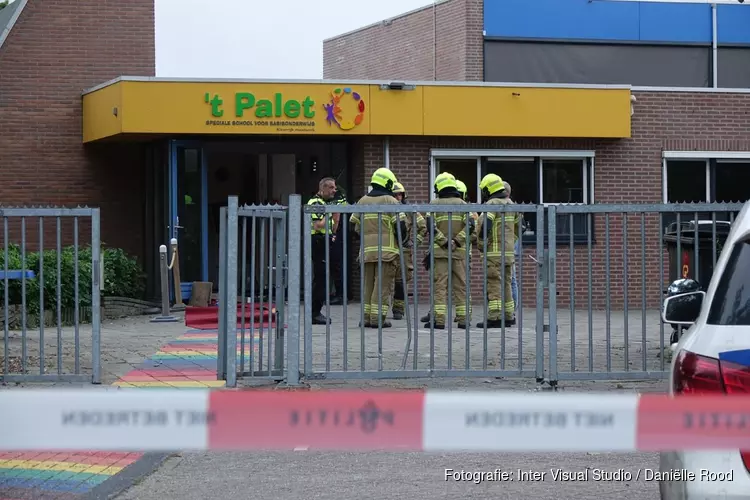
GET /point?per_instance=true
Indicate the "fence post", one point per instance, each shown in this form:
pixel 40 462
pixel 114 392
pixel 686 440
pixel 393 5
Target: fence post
pixel 97 281
pixel 164 274
pixel 552 287
pixel 221 369
pixel 231 291
pixel 294 232
pixel 279 299
pixel 178 304
pixel 541 284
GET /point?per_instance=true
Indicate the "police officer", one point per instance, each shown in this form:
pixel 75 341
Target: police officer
pixel 400 292
pixel 473 241
pixel 498 275
pixel 337 251
pixel 458 226
pixel 373 232
pixel 326 192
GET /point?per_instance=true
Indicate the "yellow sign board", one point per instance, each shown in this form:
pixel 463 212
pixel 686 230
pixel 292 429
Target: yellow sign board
pixel 264 108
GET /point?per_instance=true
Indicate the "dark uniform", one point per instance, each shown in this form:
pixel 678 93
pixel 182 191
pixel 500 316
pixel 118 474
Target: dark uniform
pixel 319 237
pixel 337 255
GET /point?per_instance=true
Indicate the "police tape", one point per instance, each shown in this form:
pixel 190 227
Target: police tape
pixel 172 420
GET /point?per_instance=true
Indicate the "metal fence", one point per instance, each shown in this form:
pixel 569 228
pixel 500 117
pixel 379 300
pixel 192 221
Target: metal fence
pixel 253 254
pixel 579 293
pixel 50 290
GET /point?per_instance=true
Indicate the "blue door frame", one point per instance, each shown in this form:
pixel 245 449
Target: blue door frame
pixel 174 145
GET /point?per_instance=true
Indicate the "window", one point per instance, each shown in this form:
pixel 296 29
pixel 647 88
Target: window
pixel 705 180
pixel 731 304
pixel 561 177
pixel 464 170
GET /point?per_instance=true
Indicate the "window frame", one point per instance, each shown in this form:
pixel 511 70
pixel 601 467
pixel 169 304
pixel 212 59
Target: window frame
pixel 537 156
pixel 712 158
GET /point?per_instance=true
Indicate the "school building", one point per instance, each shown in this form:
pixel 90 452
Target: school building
pixel 451 87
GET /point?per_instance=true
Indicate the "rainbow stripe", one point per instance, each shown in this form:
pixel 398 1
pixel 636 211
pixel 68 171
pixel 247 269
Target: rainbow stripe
pixel 188 362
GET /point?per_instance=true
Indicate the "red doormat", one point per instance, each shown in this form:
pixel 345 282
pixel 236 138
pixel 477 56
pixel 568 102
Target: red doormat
pixel 207 318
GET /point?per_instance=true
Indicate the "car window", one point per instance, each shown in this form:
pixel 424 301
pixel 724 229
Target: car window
pixel 731 303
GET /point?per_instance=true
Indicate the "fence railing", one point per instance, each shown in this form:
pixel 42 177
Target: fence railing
pixel 50 292
pixel 409 309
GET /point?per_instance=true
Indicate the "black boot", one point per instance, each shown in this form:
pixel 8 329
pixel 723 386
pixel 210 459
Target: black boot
pixel 398 315
pixel 336 300
pixel 384 324
pixel 426 318
pixel 436 326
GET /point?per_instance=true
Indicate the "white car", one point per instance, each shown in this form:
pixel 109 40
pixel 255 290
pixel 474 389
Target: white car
pixel 713 357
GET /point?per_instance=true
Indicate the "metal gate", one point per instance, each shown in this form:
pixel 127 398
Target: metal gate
pixel 611 272
pixel 50 291
pixel 252 264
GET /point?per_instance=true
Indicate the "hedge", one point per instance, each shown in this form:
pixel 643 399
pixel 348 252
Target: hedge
pixel 123 277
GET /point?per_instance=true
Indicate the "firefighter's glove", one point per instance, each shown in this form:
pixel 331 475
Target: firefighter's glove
pixel 472 225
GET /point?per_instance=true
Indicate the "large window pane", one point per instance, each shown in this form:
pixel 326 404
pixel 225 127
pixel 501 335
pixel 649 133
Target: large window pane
pixel 464 170
pixel 732 182
pixel 522 175
pixel 731 303
pixel 686 181
pixel 562 181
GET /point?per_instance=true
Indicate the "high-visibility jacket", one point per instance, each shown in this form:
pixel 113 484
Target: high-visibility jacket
pixel 455 224
pixel 499 223
pixel 317 200
pixel 387 232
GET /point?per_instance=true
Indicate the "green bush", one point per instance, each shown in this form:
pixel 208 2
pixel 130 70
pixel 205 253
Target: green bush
pixel 122 277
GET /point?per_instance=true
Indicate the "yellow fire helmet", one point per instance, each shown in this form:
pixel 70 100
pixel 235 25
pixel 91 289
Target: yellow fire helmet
pixel 444 181
pixel 399 188
pixel 383 178
pixel 461 188
pixel 491 184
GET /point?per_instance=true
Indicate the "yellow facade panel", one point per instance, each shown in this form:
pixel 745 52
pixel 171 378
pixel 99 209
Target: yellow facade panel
pixel 396 112
pixel 526 112
pixel 328 109
pixel 245 108
pixel 102 113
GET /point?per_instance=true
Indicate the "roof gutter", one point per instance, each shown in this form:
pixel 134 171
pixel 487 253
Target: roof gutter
pixel 13 19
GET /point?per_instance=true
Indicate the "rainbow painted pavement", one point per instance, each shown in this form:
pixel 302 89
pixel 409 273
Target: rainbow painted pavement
pixel 188 362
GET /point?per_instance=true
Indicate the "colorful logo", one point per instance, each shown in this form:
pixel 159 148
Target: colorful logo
pixel 333 108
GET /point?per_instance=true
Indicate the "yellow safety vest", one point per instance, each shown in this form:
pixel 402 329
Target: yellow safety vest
pixel 317 200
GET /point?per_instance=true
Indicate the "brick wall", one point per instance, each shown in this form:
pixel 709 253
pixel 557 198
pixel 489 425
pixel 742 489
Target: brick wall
pixel 55 51
pixel 404 47
pixel 626 171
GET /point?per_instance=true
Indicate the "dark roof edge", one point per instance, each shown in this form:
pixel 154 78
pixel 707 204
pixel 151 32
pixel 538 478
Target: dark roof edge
pixel 13 19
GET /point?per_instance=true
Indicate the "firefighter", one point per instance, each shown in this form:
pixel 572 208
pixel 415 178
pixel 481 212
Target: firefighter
pixel 326 192
pixel 366 225
pixel 457 225
pixel 473 241
pixel 401 290
pixel 337 251
pixel 498 275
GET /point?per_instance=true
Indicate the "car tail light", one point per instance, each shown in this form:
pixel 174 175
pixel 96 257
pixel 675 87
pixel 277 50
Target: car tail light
pixel 696 375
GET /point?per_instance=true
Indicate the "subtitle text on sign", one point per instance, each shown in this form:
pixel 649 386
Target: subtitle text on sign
pixel 137 418
pixel 536 419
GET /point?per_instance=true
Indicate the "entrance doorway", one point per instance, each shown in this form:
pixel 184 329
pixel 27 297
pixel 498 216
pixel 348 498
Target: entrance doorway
pixel 204 175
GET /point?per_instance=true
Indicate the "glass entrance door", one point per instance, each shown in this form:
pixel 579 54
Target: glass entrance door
pixel 189 209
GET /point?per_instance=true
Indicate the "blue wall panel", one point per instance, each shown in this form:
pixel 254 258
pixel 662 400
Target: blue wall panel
pixel 616 21
pixel 734 23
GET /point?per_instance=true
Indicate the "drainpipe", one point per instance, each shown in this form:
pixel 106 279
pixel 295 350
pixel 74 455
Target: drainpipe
pixel 387 153
pixel 714 45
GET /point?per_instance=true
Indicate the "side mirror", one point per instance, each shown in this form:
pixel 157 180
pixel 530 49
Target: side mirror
pixel 683 309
